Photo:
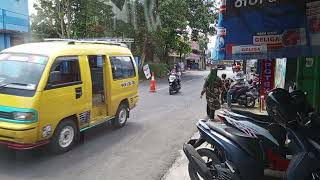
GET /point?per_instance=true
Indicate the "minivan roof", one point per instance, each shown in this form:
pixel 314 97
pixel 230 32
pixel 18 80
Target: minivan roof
pixel 56 48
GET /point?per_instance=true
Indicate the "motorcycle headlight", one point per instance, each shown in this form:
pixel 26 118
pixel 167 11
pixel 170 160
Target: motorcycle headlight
pixel 24 116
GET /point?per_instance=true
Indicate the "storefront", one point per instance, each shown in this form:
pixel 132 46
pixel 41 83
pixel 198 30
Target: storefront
pixel 281 34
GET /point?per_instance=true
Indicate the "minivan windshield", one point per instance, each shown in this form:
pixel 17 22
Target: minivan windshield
pixel 21 71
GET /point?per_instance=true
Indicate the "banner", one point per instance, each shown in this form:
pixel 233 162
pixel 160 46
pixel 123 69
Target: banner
pixel 267 76
pixel 146 71
pixel 287 28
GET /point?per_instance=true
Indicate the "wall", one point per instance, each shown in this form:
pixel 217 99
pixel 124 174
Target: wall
pixel 4 41
pixel 14 22
pixel 308 79
pixel 14 15
pixel 19 6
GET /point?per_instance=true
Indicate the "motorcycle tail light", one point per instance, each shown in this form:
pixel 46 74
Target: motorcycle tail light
pixel 221 118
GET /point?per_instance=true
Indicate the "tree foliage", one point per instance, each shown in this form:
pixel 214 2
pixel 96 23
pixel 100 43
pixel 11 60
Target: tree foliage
pixel 72 18
pixel 156 25
pixel 200 18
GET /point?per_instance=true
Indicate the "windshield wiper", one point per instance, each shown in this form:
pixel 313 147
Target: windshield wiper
pixel 8 84
pixel 19 84
pixel 4 85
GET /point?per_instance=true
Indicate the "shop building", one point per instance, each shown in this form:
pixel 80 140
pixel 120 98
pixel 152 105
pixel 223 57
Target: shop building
pixel 14 23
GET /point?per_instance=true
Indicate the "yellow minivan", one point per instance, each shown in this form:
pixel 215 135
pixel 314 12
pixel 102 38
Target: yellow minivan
pixel 50 92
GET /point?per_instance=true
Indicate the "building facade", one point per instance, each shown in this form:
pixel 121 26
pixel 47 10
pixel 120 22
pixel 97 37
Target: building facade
pixel 14 22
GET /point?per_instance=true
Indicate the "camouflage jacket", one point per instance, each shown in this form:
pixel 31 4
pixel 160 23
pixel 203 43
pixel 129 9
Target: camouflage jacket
pixel 213 94
pixel 216 90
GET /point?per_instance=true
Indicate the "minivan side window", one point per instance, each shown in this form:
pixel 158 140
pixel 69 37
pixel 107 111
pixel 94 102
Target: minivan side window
pixel 65 71
pixel 122 67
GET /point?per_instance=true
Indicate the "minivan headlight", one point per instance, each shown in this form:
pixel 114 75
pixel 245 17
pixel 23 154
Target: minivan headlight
pixel 24 116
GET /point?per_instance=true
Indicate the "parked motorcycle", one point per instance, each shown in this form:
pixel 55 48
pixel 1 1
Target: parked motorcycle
pixel 273 137
pixel 174 83
pixel 237 149
pixel 244 96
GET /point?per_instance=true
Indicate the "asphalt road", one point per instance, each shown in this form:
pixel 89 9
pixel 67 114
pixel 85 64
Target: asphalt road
pixel 143 150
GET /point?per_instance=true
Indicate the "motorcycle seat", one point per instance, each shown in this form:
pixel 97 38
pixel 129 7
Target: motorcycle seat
pixel 261 119
pixel 245 141
pixel 276 130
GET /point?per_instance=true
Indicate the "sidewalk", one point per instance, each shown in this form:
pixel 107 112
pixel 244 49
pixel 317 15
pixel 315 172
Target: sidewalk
pixel 179 169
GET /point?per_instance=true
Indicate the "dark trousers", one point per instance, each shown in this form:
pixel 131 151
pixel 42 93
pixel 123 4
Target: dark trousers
pixel 223 97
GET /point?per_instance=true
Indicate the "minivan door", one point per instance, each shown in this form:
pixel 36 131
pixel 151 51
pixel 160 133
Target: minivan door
pixel 65 94
pixel 99 103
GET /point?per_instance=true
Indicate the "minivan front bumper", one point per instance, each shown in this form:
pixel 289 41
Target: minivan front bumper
pixel 19 146
pixel 20 139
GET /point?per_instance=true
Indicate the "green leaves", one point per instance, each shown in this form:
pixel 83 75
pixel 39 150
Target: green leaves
pixel 71 19
pixel 158 26
pixel 200 17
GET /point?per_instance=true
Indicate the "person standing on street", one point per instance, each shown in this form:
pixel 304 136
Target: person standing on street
pixel 212 87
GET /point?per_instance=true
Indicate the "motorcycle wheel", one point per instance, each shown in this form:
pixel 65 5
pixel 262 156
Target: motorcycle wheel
pixel 251 102
pixel 210 157
pixel 170 91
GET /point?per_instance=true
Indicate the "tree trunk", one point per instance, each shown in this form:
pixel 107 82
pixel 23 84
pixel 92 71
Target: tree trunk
pixel 61 18
pixel 69 19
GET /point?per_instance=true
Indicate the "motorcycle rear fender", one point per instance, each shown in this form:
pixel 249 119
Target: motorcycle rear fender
pixel 248 167
pixel 196 142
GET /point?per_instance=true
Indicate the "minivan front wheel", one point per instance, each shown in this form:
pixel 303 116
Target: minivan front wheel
pixel 121 117
pixel 64 137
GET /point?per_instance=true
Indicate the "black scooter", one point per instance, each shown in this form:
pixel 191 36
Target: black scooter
pixel 174 83
pixel 243 96
pixel 238 153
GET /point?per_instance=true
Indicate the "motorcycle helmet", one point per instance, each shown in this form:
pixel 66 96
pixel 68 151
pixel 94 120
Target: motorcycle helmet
pixel 300 100
pixel 280 107
pixel 299 97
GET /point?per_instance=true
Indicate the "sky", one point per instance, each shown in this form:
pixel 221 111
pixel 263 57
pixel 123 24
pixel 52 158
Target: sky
pixel 31 10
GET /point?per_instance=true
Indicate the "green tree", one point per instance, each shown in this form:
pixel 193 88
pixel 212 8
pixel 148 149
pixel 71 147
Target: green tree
pixel 92 18
pixel 71 18
pixel 201 17
pixel 173 19
pixel 183 47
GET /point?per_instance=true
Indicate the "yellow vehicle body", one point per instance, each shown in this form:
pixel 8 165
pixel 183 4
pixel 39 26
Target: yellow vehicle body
pixel 49 105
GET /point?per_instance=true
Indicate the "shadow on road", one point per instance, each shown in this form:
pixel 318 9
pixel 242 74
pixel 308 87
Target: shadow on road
pixel 39 163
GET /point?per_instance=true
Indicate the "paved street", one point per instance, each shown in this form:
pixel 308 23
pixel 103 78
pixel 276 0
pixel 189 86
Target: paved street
pixel 143 150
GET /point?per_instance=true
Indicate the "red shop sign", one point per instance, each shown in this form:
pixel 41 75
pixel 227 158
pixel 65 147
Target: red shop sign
pixel 267 76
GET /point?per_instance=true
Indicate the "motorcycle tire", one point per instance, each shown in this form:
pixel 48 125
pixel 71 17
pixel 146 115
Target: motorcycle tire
pixel 206 154
pixel 251 103
pixel 170 91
